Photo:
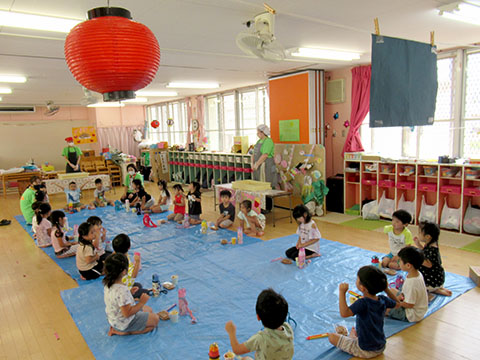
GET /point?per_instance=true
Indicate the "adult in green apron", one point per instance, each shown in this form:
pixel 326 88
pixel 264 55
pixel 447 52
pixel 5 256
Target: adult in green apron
pixel 28 198
pixel 264 168
pixel 72 154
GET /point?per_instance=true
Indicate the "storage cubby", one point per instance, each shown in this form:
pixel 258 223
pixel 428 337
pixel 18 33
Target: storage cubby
pixel 439 184
pixel 208 168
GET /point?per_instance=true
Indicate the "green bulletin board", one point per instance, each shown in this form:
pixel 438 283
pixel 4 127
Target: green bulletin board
pixel 289 130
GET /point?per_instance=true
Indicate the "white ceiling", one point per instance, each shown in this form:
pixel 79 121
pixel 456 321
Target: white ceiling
pixel 197 39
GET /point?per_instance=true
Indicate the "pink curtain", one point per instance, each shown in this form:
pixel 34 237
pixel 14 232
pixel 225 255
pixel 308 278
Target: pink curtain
pixel 361 76
pixel 119 137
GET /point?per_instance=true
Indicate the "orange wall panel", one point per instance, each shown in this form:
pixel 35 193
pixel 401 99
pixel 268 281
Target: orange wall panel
pixel 288 101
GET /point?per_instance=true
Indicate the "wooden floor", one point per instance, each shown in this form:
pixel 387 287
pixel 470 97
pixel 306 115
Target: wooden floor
pixel 34 323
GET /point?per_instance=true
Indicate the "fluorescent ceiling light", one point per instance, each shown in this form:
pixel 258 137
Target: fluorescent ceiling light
pixel 193 85
pixel 12 79
pixel 36 22
pixel 5 90
pixel 136 100
pixel 155 93
pixel 326 54
pixel 0 98
pixel 461 11
pixel 107 105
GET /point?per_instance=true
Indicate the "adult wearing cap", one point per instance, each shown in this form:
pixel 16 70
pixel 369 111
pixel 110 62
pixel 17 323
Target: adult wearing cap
pixel 72 154
pixel 264 168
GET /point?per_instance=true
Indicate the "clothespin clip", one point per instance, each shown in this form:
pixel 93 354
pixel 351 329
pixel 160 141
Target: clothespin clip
pixel 269 9
pixel 377 27
pixel 432 42
pixel 377 32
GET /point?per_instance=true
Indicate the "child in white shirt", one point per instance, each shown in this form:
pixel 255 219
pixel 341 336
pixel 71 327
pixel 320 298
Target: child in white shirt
pixel 414 298
pixel 308 234
pixel 125 317
pixel 44 228
pixel 251 222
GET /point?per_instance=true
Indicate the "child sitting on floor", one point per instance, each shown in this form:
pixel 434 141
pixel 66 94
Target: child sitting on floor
pixel 143 200
pixel 124 316
pixel 121 244
pixel 100 236
pixel 227 211
pixel 164 201
pixel 61 243
pixel 275 342
pixel 44 228
pixel 194 197
pixel 367 338
pixel 99 195
pixel 399 237
pixel 308 234
pixel 41 193
pixel 179 205
pixel 35 208
pixel 89 263
pixel 73 194
pixel 431 269
pixel 251 222
pixel 413 299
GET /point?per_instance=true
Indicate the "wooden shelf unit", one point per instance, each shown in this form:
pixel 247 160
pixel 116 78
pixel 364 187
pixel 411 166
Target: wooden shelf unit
pixel 437 187
pixel 208 167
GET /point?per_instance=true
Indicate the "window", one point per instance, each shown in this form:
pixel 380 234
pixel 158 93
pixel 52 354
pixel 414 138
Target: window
pixel 471 116
pixel 424 142
pixel 228 114
pixel 173 133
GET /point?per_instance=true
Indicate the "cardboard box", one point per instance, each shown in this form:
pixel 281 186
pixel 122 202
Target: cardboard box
pixel 475 274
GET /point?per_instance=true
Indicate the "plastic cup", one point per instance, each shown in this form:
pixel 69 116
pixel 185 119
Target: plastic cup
pixel 175 280
pixel 234 240
pixel 173 316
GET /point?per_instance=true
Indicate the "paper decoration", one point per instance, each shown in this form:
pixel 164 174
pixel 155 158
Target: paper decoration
pixel 84 135
pixel 289 130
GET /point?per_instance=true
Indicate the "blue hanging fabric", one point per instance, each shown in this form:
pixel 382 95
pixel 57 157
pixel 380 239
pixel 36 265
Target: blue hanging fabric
pixel 404 82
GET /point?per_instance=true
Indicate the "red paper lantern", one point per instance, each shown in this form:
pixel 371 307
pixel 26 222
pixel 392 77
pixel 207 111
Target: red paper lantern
pixel 155 124
pixel 111 54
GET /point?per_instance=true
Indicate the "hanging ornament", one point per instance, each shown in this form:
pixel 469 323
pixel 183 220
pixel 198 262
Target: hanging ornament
pixel 335 116
pixel 346 123
pixel 170 122
pixel 111 54
pixel 155 124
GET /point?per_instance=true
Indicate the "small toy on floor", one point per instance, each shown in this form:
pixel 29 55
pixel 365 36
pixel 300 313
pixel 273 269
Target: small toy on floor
pixel 213 352
pixel 183 305
pixel 147 221
pixel 398 283
pixel 318 336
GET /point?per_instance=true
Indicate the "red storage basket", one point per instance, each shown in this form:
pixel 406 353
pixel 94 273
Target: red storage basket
pixel 472 191
pixel 450 189
pixel 427 187
pixel 406 185
pixel 386 183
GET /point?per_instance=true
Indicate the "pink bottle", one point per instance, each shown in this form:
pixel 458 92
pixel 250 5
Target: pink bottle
pixel 240 235
pixel 301 258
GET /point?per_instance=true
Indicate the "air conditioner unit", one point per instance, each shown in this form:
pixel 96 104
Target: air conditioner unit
pixel 16 109
pixel 335 91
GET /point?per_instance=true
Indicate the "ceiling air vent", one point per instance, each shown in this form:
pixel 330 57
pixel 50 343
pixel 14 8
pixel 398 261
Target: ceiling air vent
pixel 16 109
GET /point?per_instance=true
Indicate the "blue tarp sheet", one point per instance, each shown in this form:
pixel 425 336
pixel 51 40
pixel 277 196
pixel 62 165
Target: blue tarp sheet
pixel 222 284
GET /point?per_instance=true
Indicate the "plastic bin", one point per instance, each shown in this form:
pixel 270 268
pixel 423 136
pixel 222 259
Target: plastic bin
pixel 406 185
pixel 450 189
pixel 427 187
pixel 386 183
pixel 471 191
